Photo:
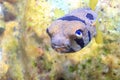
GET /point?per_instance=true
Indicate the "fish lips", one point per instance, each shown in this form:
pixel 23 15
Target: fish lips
pixel 63 49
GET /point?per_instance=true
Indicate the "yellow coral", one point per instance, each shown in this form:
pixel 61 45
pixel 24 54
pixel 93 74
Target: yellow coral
pixel 111 60
pixel 3 68
pixel 10 43
pixel 10 7
pixel 93 4
pixel 37 15
pixel 10 27
pixel 32 49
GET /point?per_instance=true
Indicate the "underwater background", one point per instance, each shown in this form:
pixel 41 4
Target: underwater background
pixel 26 53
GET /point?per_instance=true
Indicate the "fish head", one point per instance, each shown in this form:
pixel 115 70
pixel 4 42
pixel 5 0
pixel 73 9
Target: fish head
pixel 68 36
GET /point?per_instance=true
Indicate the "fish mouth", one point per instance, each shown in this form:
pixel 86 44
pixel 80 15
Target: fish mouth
pixel 63 49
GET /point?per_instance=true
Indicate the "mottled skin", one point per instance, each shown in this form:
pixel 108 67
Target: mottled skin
pixel 62 33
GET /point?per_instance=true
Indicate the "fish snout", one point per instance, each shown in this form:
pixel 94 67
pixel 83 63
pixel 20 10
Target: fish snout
pixel 59 45
pixel 62 47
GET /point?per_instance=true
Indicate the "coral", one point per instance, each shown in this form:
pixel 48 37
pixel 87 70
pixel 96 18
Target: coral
pixel 36 16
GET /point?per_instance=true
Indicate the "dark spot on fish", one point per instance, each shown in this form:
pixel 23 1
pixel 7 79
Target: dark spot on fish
pixel 89 16
pixel 72 18
pixel 89 35
pixel 48 32
pixel 80 42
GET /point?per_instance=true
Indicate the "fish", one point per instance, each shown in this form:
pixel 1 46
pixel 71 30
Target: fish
pixel 73 31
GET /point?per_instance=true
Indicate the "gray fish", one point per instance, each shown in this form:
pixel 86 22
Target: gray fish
pixel 73 31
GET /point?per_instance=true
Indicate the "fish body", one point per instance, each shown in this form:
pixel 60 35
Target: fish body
pixel 73 31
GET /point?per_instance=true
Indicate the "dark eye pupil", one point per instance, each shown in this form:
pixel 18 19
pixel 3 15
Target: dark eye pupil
pixel 78 32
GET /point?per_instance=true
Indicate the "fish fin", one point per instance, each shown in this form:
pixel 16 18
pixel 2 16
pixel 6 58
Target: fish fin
pixel 99 35
pixel 93 4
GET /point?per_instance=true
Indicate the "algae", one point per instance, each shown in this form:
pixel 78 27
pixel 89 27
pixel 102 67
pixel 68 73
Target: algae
pixel 26 51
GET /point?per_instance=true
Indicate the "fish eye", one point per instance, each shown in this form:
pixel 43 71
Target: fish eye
pixel 79 33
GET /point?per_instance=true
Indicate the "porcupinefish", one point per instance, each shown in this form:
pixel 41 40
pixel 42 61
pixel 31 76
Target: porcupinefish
pixel 73 31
